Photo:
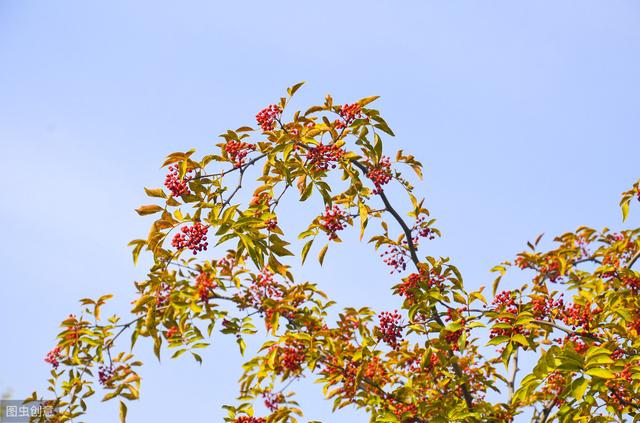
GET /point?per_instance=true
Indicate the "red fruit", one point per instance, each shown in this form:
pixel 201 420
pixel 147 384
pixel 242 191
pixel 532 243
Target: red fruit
pixel 237 151
pixel 192 237
pixel 380 174
pixel 333 220
pixel 174 183
pixel 267 117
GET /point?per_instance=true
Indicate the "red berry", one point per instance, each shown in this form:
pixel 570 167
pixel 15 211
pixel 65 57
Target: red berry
pixel 380 174
pixel 267 117
pixel 174 183
pixel 192 237
pixel 333 220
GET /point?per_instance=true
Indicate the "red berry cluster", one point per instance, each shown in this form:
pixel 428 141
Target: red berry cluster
pixel 505 302
pixel 347 326
pixel 574 341
pixel 544 307
pixel 267 117
pixel 163 293
pixel 226 265
pixel 53 357
pixel 632 282
pixel 411 282
pixel 579 316
pixel 174 183
pixel 522 263
pixel 380 174
pixel 204 285
pixel 260 199
pixel 409 285
pixel 635 325
pixel 323 157
pixel 105 374
pixel 172 332
pixel 192 237
pixel 273 400
pixel 263 287
pixel 290 357
pixel 618 353
pixel 249 419
pixel 556 382
pixel 402 409
pixel 452 338
pixel 238 150
pixel 271 224
pixel 374 370
pixel 551 269
pixel 332 221
pixel 421 229
pixel 619 393
pixel 395 257
pixel 390 328
pixel 349 113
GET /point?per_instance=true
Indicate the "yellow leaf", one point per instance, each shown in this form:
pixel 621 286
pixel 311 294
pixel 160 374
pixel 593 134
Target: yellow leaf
pixel 148 209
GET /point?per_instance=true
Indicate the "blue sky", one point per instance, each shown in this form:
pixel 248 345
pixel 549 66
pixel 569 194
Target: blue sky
pixel 525 115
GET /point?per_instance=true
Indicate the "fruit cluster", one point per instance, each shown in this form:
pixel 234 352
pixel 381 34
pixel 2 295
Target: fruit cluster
pixel 324 156
pixel 579 316
pixel 505 302
pixel 162 294
pixel 556 382
pixel 421 229
pixel 174 183
pixel 380 174
pixel 290 357
pixel 333 220
pixel 105 373
pixel 238 150
pixel 544 307
pixel 172 332
pixel 271 224
pixel 53 357
pixel 204 285
pixel 272 400
pixel 395 257
pixel 249 419
pixel 349 113
pixel 390 328
pixel 192 237
pixel 267 117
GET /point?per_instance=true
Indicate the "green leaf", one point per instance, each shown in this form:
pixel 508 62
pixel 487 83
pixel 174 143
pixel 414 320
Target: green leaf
pixel 624 205
pixel 498 340
pixel 578 387
pixel 601 373
pixel 520 339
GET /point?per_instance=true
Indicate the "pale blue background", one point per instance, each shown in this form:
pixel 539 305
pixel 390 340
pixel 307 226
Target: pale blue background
pixel 525 115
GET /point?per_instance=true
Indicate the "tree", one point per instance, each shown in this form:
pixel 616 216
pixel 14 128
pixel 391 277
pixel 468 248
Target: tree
pixel 446 355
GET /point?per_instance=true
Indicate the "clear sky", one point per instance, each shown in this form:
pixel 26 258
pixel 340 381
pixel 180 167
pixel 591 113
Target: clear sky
pixel 525 115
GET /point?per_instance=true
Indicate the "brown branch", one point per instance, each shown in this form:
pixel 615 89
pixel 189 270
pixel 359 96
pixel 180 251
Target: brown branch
pixel 633 260
pixel 624 401
pixel 567 330
pixel 511 385
pixel 416 261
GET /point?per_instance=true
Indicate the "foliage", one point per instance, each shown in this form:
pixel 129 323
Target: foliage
pixel 447 355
